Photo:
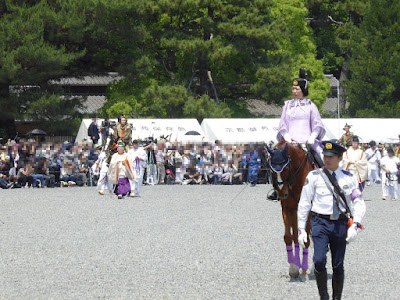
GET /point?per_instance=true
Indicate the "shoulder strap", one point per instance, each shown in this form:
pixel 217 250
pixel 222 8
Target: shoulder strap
pixel 338 190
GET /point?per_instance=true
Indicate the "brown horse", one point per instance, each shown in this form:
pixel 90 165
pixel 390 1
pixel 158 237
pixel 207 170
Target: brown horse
pixel 290 166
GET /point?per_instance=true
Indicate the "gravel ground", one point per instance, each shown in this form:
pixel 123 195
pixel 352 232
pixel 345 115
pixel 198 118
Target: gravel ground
pixel 175 242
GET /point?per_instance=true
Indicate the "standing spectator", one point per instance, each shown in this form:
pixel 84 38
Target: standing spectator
pixel 389 167
pixel 160 159
pixel 93 132
pixel 253 164
pixel 373 157
pixel 355 161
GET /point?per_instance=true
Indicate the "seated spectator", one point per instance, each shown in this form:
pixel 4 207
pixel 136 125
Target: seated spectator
pixel 231 172
pixel 25 175
pixel 39 172
pixel 216 175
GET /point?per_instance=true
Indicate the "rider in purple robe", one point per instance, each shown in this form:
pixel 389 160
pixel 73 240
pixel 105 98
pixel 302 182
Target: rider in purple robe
pixel 300 121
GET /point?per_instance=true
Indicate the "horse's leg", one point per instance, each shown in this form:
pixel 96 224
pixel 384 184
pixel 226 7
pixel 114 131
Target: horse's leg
pixel 288 237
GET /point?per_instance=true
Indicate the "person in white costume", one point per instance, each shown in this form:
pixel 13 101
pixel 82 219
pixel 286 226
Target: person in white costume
pixel 355 161
pixel 389 167
pixel 138 159
pixel 100 168
pixel 373 157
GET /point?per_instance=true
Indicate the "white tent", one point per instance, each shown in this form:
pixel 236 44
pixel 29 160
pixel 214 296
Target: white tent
pixel 144 128
pixel 379 130
pixel 265 130
pixel 240 130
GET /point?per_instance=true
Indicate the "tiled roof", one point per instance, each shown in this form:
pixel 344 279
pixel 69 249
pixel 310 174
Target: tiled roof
pixel 261 108
pixel 92 104
pixel 92 80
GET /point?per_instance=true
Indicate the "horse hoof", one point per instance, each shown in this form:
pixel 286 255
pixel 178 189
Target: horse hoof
pixel 303 277
pixel 293 271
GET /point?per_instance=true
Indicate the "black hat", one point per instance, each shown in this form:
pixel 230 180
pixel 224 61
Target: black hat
pixel 356 139
pixel 302 81
pixel 347 125
pixel 390 150
pixel 372 143
pixel 332 148
pixel 135 142
pixel 120 144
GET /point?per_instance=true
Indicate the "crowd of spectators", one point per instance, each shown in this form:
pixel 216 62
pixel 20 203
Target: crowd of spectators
pixel 27 163
pixel 38 165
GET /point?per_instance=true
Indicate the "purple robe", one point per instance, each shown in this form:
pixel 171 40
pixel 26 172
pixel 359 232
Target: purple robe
pixel 300 120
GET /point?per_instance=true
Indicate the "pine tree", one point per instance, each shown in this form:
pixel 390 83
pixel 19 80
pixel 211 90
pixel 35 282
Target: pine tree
pixel 373 89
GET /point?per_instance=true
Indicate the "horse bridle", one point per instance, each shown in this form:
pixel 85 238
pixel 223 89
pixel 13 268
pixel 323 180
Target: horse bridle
pixel 290 179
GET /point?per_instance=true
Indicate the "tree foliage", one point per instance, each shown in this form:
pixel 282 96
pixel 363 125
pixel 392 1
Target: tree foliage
pixel 373 89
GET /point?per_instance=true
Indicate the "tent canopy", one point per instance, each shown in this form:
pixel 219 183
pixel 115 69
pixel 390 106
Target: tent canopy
pixel 155 128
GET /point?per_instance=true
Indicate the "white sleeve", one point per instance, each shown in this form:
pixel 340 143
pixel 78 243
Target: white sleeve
pixel 358 205
pixel 305 203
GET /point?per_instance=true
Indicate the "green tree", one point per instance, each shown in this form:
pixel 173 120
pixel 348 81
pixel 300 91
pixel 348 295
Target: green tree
pixel 373 88
pixel 38 42
pixel 225 50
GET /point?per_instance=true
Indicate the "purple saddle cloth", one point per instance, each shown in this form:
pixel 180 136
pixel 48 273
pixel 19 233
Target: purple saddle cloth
pixel 123 186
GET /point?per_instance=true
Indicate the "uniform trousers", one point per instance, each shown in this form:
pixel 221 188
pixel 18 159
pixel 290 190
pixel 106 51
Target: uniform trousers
pixel 333 233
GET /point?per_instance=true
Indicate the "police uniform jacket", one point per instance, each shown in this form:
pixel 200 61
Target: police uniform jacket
pixel 317 197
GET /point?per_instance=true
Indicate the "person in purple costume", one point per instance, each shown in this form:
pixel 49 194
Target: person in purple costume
pixel 300 121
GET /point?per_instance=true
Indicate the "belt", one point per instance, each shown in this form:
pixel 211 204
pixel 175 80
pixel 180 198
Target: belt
pixel 328 217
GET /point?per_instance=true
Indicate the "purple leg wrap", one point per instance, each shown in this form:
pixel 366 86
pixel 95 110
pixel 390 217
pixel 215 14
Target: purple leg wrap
pixel 289 250
pixel 297 255
pixel 304 264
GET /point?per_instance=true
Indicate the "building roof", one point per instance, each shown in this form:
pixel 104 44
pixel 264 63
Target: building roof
pixel 90 80
pixel 92 104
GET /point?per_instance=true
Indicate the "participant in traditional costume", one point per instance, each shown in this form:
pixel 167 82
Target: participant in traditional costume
pixel 100 168
pixel 137 157
pixel 120 172
pixel 300 120
pixel 373 157
pixel 347 137
pixel 355 161
pixel 389 168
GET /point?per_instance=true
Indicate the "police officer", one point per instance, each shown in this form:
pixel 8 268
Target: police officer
pixel 328 221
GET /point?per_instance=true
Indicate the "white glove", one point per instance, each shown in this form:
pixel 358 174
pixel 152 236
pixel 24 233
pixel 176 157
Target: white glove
pixel 287 137
pixel 311 139
pixel 351 233
pixel 302 237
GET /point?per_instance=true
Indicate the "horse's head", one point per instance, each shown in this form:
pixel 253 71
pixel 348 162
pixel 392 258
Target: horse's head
pixel 280 165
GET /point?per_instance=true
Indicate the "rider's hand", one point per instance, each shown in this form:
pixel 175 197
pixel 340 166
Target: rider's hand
pixel 287 137
pixel 311 140
pixel 302 238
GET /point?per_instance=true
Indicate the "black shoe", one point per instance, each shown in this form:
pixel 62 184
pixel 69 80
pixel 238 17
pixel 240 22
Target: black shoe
pixel 253 184
pixel 10 185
